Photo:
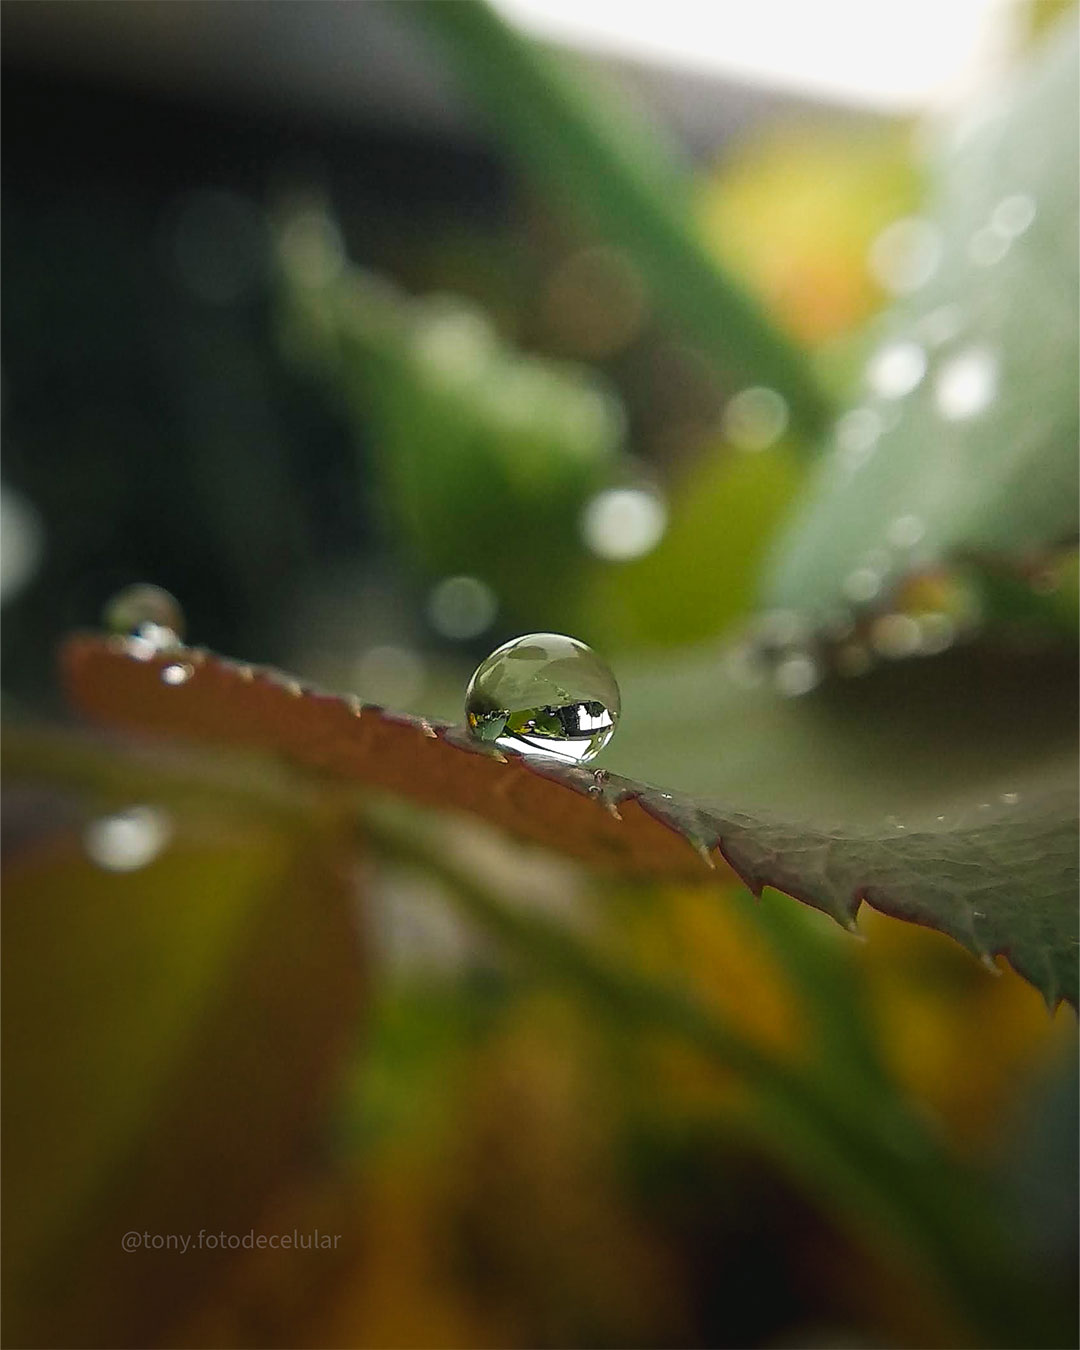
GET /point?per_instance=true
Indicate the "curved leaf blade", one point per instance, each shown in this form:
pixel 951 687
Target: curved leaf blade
pixel 979 456
pixel 1005 883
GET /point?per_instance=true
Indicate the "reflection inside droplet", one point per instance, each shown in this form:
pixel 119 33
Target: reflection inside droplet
pixel 896 369
pixel 755 418
pixel 178 673
pixel 623 523
pixel 966 384
pixel 128 840
pixel 1010 798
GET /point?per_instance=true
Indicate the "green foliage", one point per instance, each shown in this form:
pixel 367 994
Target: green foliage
pixel 979 458
pixel 606 177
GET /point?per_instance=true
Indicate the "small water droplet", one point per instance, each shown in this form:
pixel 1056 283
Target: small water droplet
pixel 1010 798
pixel 797 675
pixel 128 840
pixel 149 617
pixel 544 694
pixel 178 673
pixel 895 636
pixel 624 523
pixel 1015 214
pixel 966 384
pixel 755 418
pixel 896 369
pixel 987 246
pixel 941 817
pixel 906 254
pixel 862 585
pixel 905 531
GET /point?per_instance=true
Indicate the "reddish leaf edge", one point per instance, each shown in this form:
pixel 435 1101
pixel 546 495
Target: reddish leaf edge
pixel 613 823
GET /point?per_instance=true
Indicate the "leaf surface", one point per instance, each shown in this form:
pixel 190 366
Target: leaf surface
pixel 1000 880
pixel 964 443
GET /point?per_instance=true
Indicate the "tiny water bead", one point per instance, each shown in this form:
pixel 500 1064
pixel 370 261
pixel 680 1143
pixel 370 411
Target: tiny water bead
pixel 544 694
pixel 149 616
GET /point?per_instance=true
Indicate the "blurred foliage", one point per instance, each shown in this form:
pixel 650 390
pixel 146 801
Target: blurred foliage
pixel 532 1106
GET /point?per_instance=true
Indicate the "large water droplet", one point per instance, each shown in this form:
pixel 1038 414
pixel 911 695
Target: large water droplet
pixel 966 384
pixel 544 694
pixel 149 616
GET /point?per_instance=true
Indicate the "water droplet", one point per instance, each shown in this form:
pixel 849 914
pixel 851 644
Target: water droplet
pixel 987 246
pixel 941 324
pixel 1013 215
pixel 862 585
pixel 1010 798
pixel 755 418
pixel 148 616
pixel 906 254
pixel 905 531
pixel 178 673
pixel 462 607
pixel 896 369
pixel 895 636
pixel 966 384
pixel 128 840
pixel 624 523
pixel 796 675
pixel 544 694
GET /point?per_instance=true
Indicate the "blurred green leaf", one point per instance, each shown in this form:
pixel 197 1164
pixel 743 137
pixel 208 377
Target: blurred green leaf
pixel 554 125
pixel 483 455
pixel 976 451
pixel 169 1034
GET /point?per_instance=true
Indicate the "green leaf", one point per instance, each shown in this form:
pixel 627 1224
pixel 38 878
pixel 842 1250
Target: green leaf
pixel 549 122
pixel 980 457
pixel 997 872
